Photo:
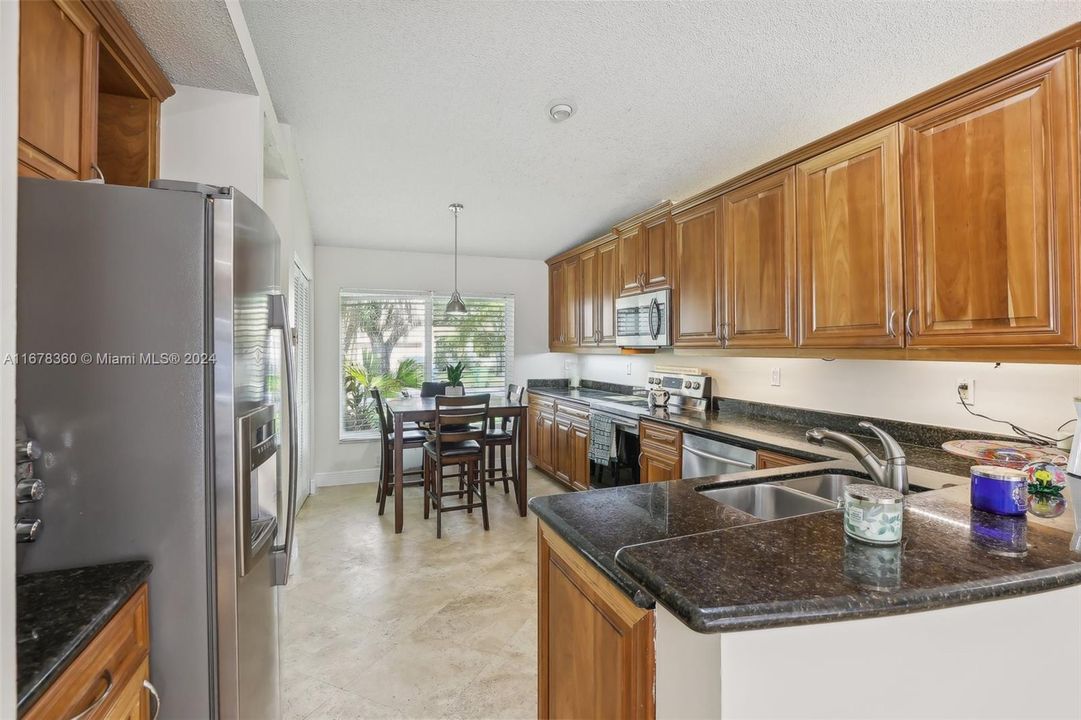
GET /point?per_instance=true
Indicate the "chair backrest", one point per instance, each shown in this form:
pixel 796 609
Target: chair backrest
pixel 514 395
pixel 459 418
pixel 377 401
pixel 432 389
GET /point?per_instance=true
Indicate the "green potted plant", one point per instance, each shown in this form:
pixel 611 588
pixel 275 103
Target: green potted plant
pixel 454 378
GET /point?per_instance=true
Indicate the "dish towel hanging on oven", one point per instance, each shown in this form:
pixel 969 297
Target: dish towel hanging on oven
pixel 602 445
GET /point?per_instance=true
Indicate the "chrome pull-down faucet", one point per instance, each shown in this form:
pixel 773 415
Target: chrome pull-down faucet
pixel 892 472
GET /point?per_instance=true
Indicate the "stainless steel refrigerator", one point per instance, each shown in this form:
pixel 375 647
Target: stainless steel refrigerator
pixel 153 364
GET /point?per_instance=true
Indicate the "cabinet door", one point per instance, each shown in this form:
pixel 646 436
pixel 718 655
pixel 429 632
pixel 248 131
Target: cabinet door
pixel 556 296
pixel 595 654
pixel 630 261
pixel 848 224
pixel 696 276
pixel 589 271
pixel 991 218
pixel 133 702
pixel 607 292
pixel 656 252
pixel 759 250
pixel 540 437
pixel 58 88
pixel 563 448
pixel 658 467
pixel 572 303
pixel 579 445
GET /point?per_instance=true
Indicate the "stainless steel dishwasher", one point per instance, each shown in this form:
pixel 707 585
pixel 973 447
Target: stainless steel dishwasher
pixel 703 456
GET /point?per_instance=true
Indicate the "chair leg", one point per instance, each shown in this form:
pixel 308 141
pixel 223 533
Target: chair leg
pixel 469 487
pixel 438 499
pixel 514 470
pixel 384 467
pixel 379 485
pixel 427 485
pixel 483 496
pixel 503 460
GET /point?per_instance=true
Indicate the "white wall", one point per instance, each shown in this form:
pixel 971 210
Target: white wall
pixel 213 137
pixel 1037 397
pixel 9 133
pixel 352 269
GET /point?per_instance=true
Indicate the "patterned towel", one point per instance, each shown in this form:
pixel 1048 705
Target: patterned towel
pixel 601 438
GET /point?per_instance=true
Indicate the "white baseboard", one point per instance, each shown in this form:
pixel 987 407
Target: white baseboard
pixel 346 477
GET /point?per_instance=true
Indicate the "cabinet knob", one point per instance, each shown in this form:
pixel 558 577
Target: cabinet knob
pixel 29 490
pixel 27 529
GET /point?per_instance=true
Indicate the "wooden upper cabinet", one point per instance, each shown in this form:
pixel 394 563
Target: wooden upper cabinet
pixel 630 260
pixel 564 303
pixel 599 290
pixel 656 252
pixel 990 183
pixel 607 292
pixel 58 77
pixel 758 241
pixel 848 227
pixel 696 257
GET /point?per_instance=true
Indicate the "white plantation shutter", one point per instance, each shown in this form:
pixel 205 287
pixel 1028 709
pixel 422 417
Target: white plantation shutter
pixel 483 339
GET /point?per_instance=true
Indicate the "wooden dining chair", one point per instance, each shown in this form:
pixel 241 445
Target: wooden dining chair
pixel 411 438
pixel 461 425
pixel 501 437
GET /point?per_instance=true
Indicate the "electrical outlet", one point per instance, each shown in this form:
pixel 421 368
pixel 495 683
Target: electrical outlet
pixel 775 377
pixel 628 368
pixel 966 390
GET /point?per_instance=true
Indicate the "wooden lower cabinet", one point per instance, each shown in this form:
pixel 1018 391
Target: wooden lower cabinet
pixel 559 440
pixel 661 458
pixel 596 648
pixel 768 459
pixel 106 680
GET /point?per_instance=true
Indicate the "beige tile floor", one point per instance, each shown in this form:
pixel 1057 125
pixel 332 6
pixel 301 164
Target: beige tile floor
pixel 378 625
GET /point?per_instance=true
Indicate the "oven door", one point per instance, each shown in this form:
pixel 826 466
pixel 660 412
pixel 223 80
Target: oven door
pixel 643 320
pixel 622 469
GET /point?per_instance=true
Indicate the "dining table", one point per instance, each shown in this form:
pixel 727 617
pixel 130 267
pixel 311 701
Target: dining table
pixel 422 410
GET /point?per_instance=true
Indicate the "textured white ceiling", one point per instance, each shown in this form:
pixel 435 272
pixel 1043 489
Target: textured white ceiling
pixel 400 108
pixel 193 42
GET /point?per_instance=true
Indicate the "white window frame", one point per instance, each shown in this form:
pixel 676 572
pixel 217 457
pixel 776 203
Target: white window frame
pixel 344 436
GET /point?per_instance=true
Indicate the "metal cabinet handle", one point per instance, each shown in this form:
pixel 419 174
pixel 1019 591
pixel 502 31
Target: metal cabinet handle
pixel 154 694
pixel 891 324
pixel 908 322
pixel 100 699
pixel 96 169
pixel 724 334
pixel 718 458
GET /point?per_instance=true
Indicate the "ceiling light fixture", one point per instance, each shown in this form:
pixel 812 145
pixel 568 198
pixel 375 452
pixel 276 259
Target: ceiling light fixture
pixel 560 112
pixel 456 306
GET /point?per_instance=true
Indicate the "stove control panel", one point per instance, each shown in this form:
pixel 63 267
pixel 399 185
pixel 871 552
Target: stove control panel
pixel 692 386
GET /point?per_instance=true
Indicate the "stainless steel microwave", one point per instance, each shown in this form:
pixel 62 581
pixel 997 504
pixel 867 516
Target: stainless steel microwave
pixel 644 320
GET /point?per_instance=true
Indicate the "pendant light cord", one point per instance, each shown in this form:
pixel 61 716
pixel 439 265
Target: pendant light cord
pixel 456 250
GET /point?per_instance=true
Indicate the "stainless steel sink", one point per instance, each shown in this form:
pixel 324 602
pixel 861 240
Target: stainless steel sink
pixel 768 502
pixel 828 485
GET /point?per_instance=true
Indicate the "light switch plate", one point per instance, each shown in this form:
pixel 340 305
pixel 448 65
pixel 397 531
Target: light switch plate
pixel 775 377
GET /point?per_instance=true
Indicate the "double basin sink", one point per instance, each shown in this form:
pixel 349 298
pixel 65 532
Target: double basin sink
pixel 788 497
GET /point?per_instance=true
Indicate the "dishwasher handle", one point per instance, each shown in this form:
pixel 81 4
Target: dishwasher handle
pixel 718 458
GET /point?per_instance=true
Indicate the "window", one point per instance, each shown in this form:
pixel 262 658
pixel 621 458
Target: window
pixel 396 341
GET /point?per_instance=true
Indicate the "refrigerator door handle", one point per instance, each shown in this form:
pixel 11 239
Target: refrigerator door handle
pixel 280 555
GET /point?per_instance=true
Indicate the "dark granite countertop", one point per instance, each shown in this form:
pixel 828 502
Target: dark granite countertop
pixel 751 425
pixel 804 570
pixel 718 569
pixel 59 612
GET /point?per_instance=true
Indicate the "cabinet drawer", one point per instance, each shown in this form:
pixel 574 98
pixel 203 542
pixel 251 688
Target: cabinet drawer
pixel 577 412
pixel 768 459
pixel 541 403
pixel 667 437
pixel 102 670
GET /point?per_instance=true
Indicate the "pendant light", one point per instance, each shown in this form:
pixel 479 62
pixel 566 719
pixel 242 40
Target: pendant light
pixel 456 306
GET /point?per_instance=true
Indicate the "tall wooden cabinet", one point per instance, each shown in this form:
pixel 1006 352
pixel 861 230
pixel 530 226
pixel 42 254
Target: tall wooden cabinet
pixel 89 94
pixel 595 647
pixel 564 293
pixel 991 213
pixel 599 287
pixel 758 241
pixel 848 221
pixel 696 255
